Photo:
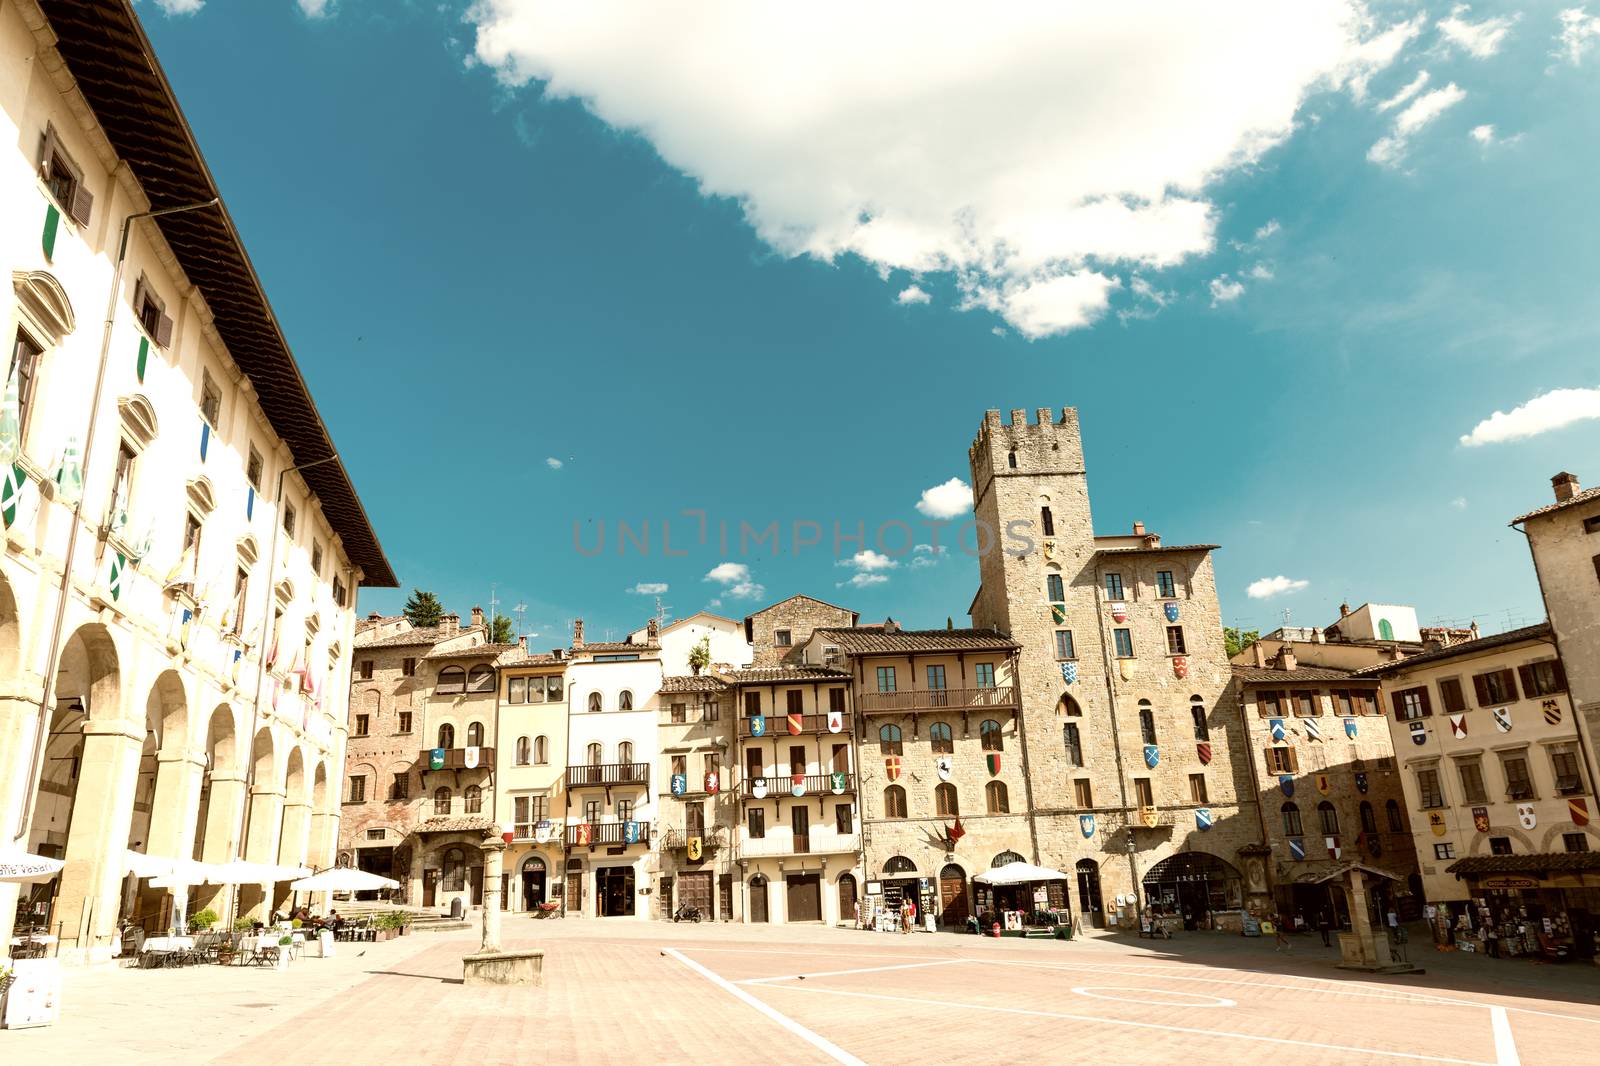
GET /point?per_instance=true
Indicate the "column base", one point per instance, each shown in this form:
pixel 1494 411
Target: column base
pixel 503 968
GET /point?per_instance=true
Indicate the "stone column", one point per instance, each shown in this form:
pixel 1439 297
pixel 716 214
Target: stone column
pixel 222 834
pixel 18 723
pixel 292 843
pixel 174 811
pixel 91 882
pixel 261 844
pixel 494 853
pixel 320 850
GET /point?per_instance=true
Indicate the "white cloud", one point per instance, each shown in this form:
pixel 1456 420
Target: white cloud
pixel 1483 134
pixel 553 463
pixel 869 560
pixel 1389 150
pixel 1225 290
pixel 1478 39
pixel 1412 88
pixel 648 588
pixel 315 9
pixel 180 7
pixel 926 555
pixel 912 294
pixel 1260 272
pixel 1459 503
pixel 862 579
pixel 1267 230
pixel 1267 587
pixel 735 581
pixel 1034 150
pixel 1579 32
pixel 946 500
pixel 1548 411
pixel 998 331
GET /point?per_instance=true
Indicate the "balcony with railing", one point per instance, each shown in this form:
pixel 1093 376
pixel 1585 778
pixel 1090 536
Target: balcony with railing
pixel 783 785
pixel 456 759
pixel 916 701
pixel 608 773
pixel 606 834
pixel 791 725
pixel 531 830
pixel 781 840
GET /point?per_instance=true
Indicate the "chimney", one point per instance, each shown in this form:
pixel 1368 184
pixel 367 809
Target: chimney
pixel 1474 629
pixel 451 624
pixel 1138 529
pixel 652 632
pixel 1286 659
pixel 1261 655
pixel 477 616
pixel 1566 486
pixel 1344 610
pixel 1317 637
pixel 577 632
pixel 522 644
pixel 891 626
pixel 374 616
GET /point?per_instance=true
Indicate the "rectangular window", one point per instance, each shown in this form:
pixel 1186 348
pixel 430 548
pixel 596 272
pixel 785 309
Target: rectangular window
pixel 935 678
pixel 1564 767
pixel 1592 524
pixel 1366 703
pixel 1054 590
pixel 1083 792
pixel 404 725
pixel 1450 695
pixel 694 819
pixel 1175 645
pixel 362 723
pixel 886 679
pixel 358 789
pixel 752 704
pixel 1197 788
pixel 757 822
pixel 1280 761
pixel 517 690
pixel 836 700
pixel 1064 649
pixel 288 519
pixel 1472 790
pixel 1499 845
pixel 375 834
pixel 1519 785
pixel 338 591
pixel 1166 588
pixel 1343 705
pixel 783 638
pixel 1411 704
pixel 408 667
pixel 1074 744
pixel 210 399
pixel 983 675
pixel 1269 704
pixel 591 811
pixel 366 669
pixel 1428 789
pixel 710 709
pixel 680 713
pixel 1113 586
pixel 1144 795
pixel 711 763
pixel 1575 842
pixel 1444 851
pixel 400 787
pixel 151 313
pixel 1495 687
pixel 1545 678
pixel 844 818
pixel 25 364
pixel 122 487
pixel 316 557
pixel 794 701
pixel 1124 642
pixel 1307 705
pixel 64 179
pixel 680 764
pixel 253 468
pixel 624 810
pixel 241 594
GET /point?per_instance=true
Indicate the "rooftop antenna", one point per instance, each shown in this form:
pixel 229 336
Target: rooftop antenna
pixel 492 612
pixel 521 611
pixel 663 611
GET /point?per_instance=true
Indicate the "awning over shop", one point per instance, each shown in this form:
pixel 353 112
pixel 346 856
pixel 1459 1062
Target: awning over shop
pixel 1324 870
pixel 1019 873
pixel 466 824
pixel 1536 864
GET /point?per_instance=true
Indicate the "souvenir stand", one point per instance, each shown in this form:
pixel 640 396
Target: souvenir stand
pixel 1021 892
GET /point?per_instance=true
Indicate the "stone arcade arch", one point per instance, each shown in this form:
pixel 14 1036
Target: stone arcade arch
pixel 165 796
pixel 264 814
pixel 221 804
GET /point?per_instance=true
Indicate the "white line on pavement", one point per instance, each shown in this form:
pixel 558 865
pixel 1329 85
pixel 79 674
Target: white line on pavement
pixel 827 1047
pixel 1095 1019
pixel 842 973
pixel 1505 1048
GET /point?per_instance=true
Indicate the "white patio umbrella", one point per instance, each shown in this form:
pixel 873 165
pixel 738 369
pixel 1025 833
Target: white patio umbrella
pixel 343 880
pixel 1019 873
pixel 23 868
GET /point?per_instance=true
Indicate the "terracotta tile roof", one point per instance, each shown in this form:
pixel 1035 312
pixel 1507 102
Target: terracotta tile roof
pixel 414 637
pixel 465 823
pixel 1258 674
pixel 369 623
pixel 1582 497
pixel 1470 647
pixel 1160 548
pixel 479 651
pixel 613 646
pixel 1516 864
pixel 692 683
pixel 878 641
pixel 782 674
pixel 537 658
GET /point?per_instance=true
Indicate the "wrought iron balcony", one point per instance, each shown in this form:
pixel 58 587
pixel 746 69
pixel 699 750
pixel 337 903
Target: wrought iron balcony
pixel 608 774
pixel 605 834
pixel 918 701
pixel 783 785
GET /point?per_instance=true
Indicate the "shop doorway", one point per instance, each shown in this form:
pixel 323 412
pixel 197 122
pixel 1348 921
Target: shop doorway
pixel 953 905
pixel 534 876
pixel 613 887
pixel 430 888
pixel 805 897
pixel 694 890
pixel 847 897
pixel 574 886
pixel 758 898
pixel 1193 884
pixel 1089 892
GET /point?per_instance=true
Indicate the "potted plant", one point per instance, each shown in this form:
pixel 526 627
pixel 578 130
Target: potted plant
pixel 200 921
pixel 244 924
pixel 700 656
pixel 285 942
pixel 547 909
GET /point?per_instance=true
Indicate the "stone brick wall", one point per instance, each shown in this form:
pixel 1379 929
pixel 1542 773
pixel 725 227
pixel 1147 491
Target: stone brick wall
pixel 384 751
pixel 800 615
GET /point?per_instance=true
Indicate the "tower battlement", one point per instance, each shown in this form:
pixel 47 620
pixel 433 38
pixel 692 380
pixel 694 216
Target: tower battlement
pixel 1044 446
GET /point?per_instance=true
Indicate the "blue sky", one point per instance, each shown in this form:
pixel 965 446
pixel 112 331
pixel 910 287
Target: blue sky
pixel 726 261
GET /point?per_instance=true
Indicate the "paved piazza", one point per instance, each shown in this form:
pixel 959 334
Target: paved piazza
pixel 634 992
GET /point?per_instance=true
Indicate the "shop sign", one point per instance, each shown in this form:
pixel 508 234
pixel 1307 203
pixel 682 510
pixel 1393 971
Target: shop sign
pixel 1508 881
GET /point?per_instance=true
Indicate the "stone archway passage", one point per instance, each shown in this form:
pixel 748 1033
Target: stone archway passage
pixel 1194 882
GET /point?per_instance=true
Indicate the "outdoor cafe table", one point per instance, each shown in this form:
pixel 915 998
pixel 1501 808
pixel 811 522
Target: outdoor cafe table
pixel 168 943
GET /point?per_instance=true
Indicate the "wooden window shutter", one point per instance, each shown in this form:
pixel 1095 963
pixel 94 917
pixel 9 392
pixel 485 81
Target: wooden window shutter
pixel 1528 684
pixel 1511 684
pixel 1481 688
pixel 138 297
pixel 82 204
pixel 1294 762
pixel 48 153
pixel 1560 674
pixel 164 330
pixel 1399 706
pixel 1427 705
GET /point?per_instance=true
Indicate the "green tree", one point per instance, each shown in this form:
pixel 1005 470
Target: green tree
pixel 423 609
pixel 700 655
pixel 501 631
pixel 1237 640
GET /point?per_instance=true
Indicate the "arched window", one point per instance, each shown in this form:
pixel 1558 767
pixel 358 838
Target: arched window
pixel 480 679
pixel 899 864
pixel 894 802
pixel 475 735
pixel 625 752
pixel 594 754
pixel 447 736
pixel 594 702
pixel 1291 820
pixel 944 800
pixel 1011 460
pixel 441 801
pixel 1385 630
pixel 1328 817
pixel 998 801
pixel 1005 858
pixel 989 734
pixel 1069 707
pixel 541 750
pixel 1197 711
pixel 889 740
pixel 942 740
pixel 625 701
pixel 452 680
pixel 524 751
pixel 1047 521
pixel 453 878
pixel 472 800
pixel 1147 722
pixel 1392 810
pixel 1369 818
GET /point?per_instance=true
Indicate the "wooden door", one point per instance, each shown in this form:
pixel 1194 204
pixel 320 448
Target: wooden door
pixel 758 899
pixel 694 890
pixel 805 898
pixel 430 888
pixel 475 883
pixel 800 822
pixel 953 905
pixel 847 897
pixel 574 891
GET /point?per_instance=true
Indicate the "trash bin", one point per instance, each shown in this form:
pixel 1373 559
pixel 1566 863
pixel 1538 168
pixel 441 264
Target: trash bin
pixel 456 909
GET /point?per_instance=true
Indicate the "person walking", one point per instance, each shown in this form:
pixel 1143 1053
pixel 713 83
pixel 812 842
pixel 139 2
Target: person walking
pixel 1324 925
pixel 1280 937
